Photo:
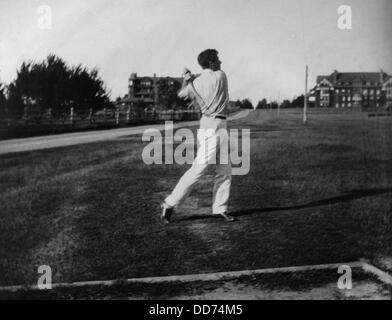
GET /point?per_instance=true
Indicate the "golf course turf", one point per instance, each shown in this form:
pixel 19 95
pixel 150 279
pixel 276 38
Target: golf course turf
pixel 315 193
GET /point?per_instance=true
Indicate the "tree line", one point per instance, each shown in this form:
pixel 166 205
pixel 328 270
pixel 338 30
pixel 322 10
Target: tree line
pixel 53 84
pixel 297 102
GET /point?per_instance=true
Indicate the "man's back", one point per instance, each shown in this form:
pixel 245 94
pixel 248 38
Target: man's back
pixel 212 87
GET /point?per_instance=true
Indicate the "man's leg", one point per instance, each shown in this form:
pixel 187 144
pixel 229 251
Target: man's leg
pixel 205 156
pixel 221 190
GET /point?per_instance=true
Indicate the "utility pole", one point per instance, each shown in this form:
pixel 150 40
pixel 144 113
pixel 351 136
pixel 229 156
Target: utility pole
pixel 305 120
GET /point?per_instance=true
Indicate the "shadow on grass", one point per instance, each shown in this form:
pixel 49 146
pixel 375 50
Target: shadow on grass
pixel 348 196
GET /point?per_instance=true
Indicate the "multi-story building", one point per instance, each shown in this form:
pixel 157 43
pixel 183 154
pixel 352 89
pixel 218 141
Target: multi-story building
pixel 148 90
pixel 353 89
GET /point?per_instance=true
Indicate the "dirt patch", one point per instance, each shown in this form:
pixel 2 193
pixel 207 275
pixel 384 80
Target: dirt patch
pixel 363 290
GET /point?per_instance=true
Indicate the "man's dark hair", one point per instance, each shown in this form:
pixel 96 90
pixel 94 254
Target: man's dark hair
pixel 207 56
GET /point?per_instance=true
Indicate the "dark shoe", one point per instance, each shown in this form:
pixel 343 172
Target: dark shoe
pixel 166 212
pixel 226 216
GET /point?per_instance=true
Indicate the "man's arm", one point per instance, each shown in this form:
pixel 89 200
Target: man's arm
pixel 184 91
pixel 188 92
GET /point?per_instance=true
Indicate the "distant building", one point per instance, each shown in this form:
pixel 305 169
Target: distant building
pixel 353 89
pixel 146 90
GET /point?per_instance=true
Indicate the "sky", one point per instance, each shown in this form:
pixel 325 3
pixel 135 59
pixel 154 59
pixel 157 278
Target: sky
pixel 264 45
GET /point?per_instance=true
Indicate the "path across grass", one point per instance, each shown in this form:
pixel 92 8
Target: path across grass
pixel 74 138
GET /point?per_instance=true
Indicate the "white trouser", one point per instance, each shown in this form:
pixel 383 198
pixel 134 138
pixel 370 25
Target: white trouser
pixel 212 138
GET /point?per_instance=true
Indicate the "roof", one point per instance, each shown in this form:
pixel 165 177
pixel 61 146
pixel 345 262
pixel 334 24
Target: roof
pixel 351 77
pixel 134 76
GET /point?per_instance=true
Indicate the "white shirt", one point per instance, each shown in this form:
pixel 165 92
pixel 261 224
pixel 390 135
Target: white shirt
pixel 212 87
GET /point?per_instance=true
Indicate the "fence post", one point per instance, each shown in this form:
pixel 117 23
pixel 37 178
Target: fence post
pixel 90 115
pixel 50 115
pixel 117 115
pixel 71 116
pixel 25 115
pixel 128 113
pixel 8 117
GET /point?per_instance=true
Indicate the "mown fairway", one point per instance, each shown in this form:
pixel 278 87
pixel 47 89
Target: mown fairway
pixel 315 194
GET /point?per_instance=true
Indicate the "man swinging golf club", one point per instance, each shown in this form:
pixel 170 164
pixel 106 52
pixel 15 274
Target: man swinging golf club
pixel 210 91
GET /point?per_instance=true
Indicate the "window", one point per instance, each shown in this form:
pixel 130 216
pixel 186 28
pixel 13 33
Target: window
pixel 337 105
pixel 365 92
pixel 146 83
pixel 371 91
pixel 343 91
pixel 349 105
pixel 389 93
pixel 348 98
pixel 343 98
pixel 378 91
pixel 337 91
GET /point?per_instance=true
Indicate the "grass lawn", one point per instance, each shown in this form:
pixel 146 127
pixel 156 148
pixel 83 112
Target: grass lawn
pixel 315 194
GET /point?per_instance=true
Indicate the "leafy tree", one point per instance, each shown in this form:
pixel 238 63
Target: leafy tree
pixel 86 89
pixel 238 103
pixel 14 102
pixel 285 104
pixel 2 96
pixel 298 102
pixel 262 104
pixel 246 104
pixel 53 84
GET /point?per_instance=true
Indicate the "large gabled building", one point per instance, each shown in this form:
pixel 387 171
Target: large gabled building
pixel 353 89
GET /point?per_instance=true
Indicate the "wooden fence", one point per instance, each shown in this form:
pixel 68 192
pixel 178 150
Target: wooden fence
pixel 87 118
pixel 48 122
